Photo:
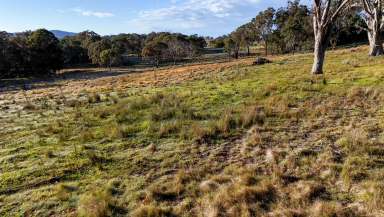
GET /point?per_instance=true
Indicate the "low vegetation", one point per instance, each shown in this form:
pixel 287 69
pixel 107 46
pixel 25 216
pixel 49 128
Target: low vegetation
pixel 244 140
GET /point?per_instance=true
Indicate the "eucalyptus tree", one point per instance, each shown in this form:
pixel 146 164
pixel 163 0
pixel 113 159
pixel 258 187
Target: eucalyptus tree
pixel 372 13
pixel 325 13
pixel 263 24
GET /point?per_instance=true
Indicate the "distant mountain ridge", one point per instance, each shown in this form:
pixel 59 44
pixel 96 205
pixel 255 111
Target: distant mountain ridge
pixel 61 34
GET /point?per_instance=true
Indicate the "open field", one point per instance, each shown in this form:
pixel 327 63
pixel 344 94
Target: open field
pixel 224 139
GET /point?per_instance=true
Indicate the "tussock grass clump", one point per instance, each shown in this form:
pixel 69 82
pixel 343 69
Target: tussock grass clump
pixel 201 134
pixel 355 140
pixel 129 131
pixel 74 103
pixel 373 196
pixel 30 106
pixel 96 159
pixel 153 211
pixel 351 62
pixel 139 103
pixel 94 98
pixel 163 113
pixel 251 116
pixel 359 94
pixel 253 139
pixel 239 200
pixel 208 186
pixel 64 191
pixel 332 209
pixel 355 170
pixel 226 123
pixel 168 191
pixel 95 204
pixel 169 128
pixel 86 135
pixel 306 192
pixel 277 106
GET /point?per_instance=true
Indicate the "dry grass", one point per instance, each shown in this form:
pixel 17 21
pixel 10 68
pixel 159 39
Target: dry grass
pixel 206 140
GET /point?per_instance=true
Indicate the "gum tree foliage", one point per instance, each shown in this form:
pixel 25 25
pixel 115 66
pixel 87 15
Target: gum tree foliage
pixel 293 28
pixel 263 24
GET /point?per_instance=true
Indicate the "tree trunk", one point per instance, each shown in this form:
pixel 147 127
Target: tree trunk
pixel 375 44
pixel 375 41
pixel 318 60
pixel 266 48
pixel 374 22
pixel 321 43
pixel 248 51
pixel 236 54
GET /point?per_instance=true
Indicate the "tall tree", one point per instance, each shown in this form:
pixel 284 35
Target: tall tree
pixel 325 12
pixel 232 44
pixel 155 50
pixel 294 23
pixel 45 53
pixel 96 48
pixel 373 17
pixel 263 24
pixel 247 36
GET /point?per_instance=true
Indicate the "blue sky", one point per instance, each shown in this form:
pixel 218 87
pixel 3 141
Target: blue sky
pixel 203 17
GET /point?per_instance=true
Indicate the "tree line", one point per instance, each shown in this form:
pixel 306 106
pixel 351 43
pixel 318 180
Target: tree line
pixel 40 53
pixel 289 29
pixel 296 28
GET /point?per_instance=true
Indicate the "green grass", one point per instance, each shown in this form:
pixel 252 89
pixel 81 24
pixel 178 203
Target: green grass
pixel 246 141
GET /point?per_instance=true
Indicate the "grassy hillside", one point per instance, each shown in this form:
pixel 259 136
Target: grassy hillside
pixel 224 140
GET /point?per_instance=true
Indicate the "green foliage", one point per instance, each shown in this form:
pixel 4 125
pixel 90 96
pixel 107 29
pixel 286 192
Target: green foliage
pixel 30 54
pixel 95 50
pixel 45 52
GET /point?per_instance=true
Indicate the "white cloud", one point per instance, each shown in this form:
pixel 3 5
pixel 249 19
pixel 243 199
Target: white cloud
pixel 190 15
pixel 88 13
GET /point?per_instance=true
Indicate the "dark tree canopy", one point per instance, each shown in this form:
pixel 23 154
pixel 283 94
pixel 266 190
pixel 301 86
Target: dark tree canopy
pixel 35 53
pixel 45 52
